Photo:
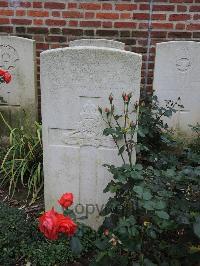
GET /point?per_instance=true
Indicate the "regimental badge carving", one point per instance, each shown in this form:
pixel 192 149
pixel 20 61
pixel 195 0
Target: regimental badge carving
pixel 89 129
pixel 8 57
pixel 183 64
pixel 183 61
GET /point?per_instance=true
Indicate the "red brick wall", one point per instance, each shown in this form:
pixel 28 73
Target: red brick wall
pixel 54 24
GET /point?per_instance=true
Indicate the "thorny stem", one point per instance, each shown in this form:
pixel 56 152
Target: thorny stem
pixel 125 137
pixel 110 126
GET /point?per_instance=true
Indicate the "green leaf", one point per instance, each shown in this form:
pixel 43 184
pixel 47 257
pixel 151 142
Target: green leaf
pixel 159 205
pixel 75 245
pixel 147 195
pixel 162 214
pixel 138 190
pixel 148 205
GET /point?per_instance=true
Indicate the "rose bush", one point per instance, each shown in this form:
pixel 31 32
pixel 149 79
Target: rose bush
pixel 5 76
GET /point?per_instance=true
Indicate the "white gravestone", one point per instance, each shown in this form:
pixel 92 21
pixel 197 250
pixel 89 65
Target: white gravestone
pixel 177 74
pixel 74 82
pixel 18 99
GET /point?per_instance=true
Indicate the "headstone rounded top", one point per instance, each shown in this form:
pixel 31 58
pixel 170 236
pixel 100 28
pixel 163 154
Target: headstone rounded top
pixel 98 43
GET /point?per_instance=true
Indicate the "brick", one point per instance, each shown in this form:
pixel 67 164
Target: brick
pixel 180 26
pixel 54 22
pixel 163 7
pixel 179 17
pixel 5 12
pixel 196 17
pixel 181 8
pixel 125 34
pixel 143 7
pixel 73 23
pixel 21 21
pixel 54 5
pixel 38 22
pixel 89 32
pixel 59 39
pixel 125 25
pixel 129 41
pixel 72 14
pixel 180 1
pixel 107 32
pixel 7 29
pixel 140 34
pixel 37 4
pixel 106 6
pixel 107 24
pixel 20 13
pixel 90 23
pixel 3 4
pixel 196 34
pixel 195 8
pixel 158 34
pixel 193 27
pixel 90 6
pixel 55 31
pixel 20 29
pixel 158 16
pixel 42 46
pixel 37 30
pixel 125 15
pixel 107 16
pixel 72 5
pixel 89 15
pixel 25 4
pixel 164 26
pixel 37 13
pixel 180 35
pixel 74 32
pixel 4 21
pixel 55 13
pixel 141 16
pixel 127 7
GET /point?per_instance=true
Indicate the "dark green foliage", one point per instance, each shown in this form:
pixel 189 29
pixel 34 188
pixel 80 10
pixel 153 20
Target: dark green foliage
pixel 154 216
pixel 21 242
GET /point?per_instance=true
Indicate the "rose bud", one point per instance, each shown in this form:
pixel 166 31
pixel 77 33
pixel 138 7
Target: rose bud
pixel 107 110
pixel 123 95
pixel 66 200
pixel 106 232
pixel 126 98
pixel 110 98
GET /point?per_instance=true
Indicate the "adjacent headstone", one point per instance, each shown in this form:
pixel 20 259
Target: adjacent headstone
pixel 177 74
pixel 18 99
pixel 74 82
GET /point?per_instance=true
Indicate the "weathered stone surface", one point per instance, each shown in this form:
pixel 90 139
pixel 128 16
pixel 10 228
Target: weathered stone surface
pixel 74 82
pixel 18 100
pixel 177 68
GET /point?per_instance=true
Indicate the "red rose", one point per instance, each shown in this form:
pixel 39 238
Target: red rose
pixel 5 75
pixel 66 200
pixel 66 225
pixel 48 224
